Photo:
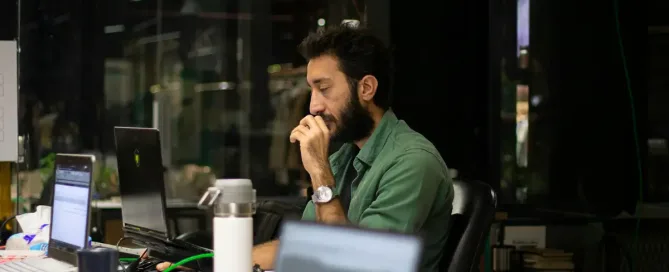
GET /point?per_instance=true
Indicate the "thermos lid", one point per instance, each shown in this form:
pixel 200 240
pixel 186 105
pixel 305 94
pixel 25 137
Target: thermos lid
pixel 235 191
pixel 230 197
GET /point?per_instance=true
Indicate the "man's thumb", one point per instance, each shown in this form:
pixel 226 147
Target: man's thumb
pixel 163 266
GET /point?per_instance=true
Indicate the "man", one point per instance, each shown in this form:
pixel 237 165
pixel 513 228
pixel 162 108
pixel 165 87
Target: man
pixel 385 176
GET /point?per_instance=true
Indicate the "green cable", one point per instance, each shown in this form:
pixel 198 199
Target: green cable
pixel 189 259
pixel 129 260
pixel 634 122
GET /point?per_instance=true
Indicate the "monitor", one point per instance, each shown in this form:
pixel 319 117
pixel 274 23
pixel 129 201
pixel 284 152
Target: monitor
pixel 308 246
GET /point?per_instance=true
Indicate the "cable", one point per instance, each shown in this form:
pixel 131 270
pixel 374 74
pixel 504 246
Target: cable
pixel 189 259
pixel 616 10
pixel 125 268
pixel 4 224
pixel 133 265
pixel 119 242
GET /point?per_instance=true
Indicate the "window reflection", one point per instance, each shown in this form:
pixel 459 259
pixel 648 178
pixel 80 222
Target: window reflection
pixel 522 25
pixel 520 179
pixel 222 81
pixel 522 124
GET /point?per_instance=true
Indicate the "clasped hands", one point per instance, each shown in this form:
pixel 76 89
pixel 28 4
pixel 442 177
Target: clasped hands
pixel 314 137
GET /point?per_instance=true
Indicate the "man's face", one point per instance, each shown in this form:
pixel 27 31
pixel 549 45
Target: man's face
pixel 336 100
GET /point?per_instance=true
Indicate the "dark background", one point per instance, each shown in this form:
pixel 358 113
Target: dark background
pixel 448 56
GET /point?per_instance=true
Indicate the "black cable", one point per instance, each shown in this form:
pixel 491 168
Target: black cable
pixel 635 126
pixel 132 267
pixel 4 224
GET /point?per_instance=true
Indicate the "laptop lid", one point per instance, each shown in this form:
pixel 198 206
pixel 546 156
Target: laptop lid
pixel 308 246
pixel 141 180
pixel 70 207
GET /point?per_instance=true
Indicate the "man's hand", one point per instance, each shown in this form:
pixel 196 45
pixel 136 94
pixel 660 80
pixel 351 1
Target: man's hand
pixel 314 138
pixel 165 265
pixel 263 255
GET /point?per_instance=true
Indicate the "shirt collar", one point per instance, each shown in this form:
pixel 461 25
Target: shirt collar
pixel 371 149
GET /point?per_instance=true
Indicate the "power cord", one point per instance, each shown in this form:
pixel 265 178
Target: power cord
pixel 189 259
pixel 4 224
pixel 616 10
pixel 118 244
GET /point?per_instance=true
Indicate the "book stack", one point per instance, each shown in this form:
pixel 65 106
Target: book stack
pixel 553 260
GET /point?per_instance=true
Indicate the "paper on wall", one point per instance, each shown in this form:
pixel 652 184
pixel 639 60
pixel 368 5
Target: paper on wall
pixel 9 129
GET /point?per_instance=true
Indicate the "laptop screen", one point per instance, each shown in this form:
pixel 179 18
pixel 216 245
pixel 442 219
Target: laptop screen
pixel 141 175
pixel 71 201
pixel 315 247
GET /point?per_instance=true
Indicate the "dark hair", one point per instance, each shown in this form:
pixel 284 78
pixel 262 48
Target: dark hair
pixel 358 52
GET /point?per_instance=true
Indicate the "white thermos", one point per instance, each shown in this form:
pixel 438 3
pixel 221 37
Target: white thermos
pixel 233 201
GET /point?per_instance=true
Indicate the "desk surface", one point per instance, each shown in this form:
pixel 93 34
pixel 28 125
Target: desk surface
pixel 116 204
pixel 175 203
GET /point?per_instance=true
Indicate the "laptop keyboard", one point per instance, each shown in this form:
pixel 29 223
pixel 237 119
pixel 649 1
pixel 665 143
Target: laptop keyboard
pixel 35 265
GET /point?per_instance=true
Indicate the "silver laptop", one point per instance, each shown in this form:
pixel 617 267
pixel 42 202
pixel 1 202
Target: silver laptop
pixel 344 249
pixel 70 213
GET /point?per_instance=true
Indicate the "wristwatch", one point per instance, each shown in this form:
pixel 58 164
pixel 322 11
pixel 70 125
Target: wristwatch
pixel 323 194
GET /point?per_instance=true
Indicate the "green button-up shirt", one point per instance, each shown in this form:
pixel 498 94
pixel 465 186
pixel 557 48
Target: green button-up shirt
pixel 401 184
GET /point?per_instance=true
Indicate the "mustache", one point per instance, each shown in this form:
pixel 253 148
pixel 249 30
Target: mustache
pixel 327 117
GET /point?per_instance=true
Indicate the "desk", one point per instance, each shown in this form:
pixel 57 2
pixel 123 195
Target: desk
pixel 104 211
pixel 116 204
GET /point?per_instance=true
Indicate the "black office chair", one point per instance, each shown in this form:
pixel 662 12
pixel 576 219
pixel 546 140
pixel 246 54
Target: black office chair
pixel 266 222
pixel 474 205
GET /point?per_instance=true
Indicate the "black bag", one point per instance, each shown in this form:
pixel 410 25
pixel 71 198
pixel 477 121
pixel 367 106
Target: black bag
pixel 269 216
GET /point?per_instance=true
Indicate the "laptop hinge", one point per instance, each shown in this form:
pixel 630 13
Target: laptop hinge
pixel 144 232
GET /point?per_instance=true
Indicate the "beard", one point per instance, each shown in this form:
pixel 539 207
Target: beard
pixel 354 124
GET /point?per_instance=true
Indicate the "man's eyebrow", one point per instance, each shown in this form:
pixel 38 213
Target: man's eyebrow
pixel 318 81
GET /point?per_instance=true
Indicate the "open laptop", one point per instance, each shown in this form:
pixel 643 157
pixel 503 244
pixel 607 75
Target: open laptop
pixel 308 246
pixel 142 186
pixel 70 217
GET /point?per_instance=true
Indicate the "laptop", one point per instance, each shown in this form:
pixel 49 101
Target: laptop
pixel 142 187
pixel 344 249
pixel 70 217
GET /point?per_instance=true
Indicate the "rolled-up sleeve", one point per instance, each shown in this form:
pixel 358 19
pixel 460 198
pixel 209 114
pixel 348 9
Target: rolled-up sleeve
pixel 309 213
pixel 406 192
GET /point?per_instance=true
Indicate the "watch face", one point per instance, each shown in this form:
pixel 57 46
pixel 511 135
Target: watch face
pixel 323 194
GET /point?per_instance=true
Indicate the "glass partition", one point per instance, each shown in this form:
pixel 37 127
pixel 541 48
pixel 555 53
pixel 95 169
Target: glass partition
pixel 221 80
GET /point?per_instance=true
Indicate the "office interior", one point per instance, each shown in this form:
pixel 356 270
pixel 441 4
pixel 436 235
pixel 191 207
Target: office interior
pixel 558 106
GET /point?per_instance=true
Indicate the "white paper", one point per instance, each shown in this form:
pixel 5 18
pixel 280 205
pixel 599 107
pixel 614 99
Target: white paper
pixel 9 128
pixel 32 222
pixel 525 236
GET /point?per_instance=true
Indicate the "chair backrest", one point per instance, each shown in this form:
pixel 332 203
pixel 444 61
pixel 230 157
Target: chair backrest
pixel 474 205
pixel 266 222
pixel 269 216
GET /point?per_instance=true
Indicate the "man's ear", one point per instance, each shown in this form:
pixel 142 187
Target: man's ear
pixel 367 88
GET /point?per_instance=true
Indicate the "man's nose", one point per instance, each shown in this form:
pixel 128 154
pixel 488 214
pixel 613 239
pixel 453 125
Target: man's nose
pixel 315 105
